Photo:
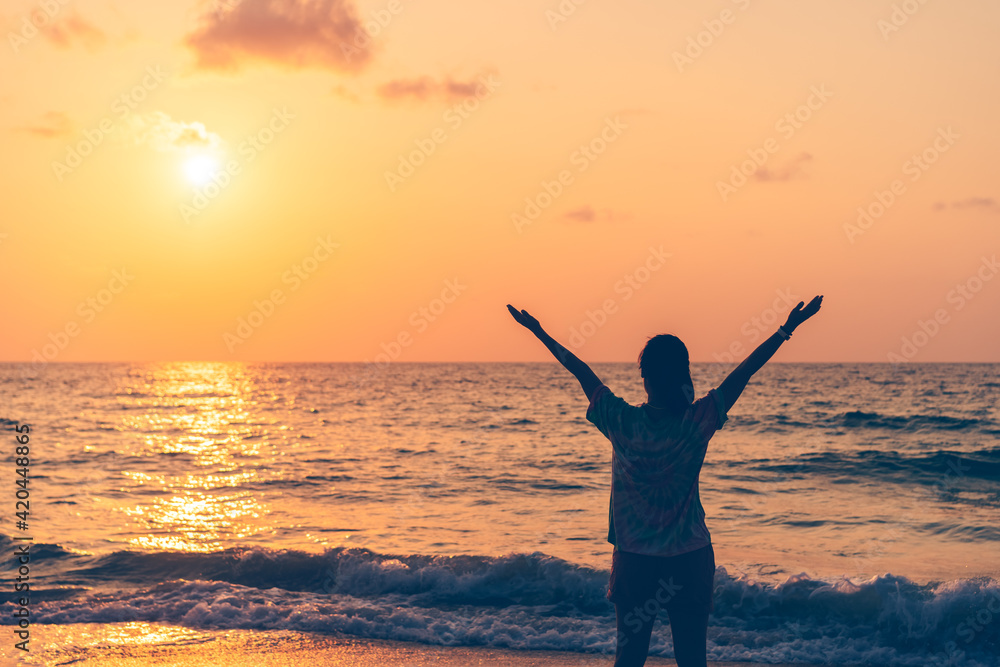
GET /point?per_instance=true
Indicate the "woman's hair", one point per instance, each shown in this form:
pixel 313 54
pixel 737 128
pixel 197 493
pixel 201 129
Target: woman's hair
pixel 664 364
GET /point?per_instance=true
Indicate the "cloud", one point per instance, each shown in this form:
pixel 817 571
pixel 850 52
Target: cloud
pixel 162 133
pixel 346 93
pixel 425 88
pixel 976 202
pixel 73 30
pixel 587 213
pixel 295 34
pixel 971 202
pixel 582 214
pixel 791 170
pixel 51 125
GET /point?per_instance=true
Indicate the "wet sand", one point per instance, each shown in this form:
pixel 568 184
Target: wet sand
pixel 142 644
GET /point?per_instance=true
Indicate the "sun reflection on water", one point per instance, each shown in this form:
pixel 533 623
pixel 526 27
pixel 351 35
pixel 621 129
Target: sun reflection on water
pixel 205 414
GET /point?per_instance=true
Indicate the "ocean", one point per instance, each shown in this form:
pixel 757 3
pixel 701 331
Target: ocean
pixel 853 507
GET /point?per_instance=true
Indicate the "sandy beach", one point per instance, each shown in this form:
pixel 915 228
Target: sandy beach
pixel 141 644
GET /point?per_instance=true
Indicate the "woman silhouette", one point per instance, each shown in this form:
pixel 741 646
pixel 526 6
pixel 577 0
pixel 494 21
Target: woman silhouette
pixel 663 556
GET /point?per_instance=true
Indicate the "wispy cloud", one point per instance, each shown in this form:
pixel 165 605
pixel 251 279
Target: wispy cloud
pixel 51 125
pixel 73 30
pixel 162 133
pixel 789 171
pixel 425 88
pixel 346 93
pixel 971 202
pixel 302 34
pixel 587 213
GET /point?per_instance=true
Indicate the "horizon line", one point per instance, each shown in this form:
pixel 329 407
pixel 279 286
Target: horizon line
pixel 389 363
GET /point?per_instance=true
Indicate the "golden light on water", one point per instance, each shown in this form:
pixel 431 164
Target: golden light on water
pixel 193 481
pixel 198 521
pixel 204 413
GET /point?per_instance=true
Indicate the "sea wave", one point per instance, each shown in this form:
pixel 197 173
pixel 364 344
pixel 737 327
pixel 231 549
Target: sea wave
pixel 943 468
pixel 524 601
pixel 875 420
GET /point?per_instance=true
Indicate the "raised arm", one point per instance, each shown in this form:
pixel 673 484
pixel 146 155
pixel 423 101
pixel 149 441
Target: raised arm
pixel 736 382
pixel 588 379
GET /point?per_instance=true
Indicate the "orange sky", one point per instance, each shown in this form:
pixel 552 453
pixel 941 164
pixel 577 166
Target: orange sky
pixel 389 174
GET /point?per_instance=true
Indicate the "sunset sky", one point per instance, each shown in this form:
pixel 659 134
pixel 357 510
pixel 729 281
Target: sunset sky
pixel 331 181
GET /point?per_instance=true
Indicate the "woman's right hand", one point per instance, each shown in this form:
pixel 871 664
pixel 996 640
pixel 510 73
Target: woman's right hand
pixel 525 320
pixel 800 314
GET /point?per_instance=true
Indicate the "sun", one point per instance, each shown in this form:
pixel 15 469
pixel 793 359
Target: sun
pixel 200 168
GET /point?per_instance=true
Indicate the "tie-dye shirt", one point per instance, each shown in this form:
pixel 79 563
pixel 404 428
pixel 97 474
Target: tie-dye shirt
pixel 655 508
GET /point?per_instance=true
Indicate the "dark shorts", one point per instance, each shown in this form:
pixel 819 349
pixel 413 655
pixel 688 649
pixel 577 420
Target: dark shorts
pixel 686 580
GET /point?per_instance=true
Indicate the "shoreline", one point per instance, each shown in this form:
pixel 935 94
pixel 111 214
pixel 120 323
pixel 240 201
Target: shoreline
pixel 146 644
